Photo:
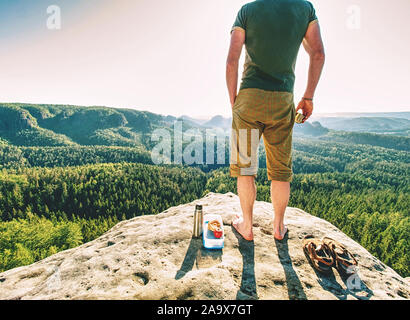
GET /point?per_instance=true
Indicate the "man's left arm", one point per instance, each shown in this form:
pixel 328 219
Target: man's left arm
pixel 232 63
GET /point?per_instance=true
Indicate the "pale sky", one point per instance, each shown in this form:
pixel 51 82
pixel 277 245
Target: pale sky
pixel 168 57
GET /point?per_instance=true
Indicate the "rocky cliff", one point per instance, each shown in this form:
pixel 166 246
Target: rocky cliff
pixel 155 257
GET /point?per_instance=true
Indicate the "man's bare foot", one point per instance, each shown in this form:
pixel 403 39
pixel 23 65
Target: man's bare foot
pixel 239 226
pixel 280 233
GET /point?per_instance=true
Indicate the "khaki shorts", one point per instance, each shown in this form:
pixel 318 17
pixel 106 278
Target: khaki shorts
pixel 270 114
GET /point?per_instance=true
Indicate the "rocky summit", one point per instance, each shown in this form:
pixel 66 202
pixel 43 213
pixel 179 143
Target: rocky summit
pixel 155 257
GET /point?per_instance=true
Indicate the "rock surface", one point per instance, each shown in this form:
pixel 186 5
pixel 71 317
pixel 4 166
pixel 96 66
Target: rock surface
pixel 154 257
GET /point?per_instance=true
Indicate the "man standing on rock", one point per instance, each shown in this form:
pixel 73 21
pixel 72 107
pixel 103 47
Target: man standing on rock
pixel 272 32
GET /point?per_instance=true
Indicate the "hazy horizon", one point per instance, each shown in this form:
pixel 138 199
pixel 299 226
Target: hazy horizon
pixel 157 56
pixel 207 117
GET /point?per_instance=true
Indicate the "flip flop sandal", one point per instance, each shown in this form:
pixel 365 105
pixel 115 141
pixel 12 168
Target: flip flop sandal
pixel 319 254
pixel 344 260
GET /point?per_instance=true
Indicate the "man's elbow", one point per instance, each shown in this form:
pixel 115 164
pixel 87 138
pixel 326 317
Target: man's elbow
pixel 232 63
pixel 318 55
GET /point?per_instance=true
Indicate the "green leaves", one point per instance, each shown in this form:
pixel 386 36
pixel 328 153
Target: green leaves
pixel 45 210
pixel 24 242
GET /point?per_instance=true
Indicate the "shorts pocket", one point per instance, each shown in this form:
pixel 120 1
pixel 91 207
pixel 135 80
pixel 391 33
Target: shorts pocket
pixel 293 114
pixel 238 102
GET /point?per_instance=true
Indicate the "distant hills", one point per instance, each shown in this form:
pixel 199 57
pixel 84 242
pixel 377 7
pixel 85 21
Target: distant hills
pixel 311 129
pixel 219 122
pixel 397 123
pixel 389 125
pixel 61 125
pixel 65 125
pixel 402 115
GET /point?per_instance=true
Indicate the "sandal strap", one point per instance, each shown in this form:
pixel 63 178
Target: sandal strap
pixel 312 249
pixel 336 246
pixel 346 262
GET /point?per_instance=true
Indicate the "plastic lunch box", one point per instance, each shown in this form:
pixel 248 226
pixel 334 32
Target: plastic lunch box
pixel 208 238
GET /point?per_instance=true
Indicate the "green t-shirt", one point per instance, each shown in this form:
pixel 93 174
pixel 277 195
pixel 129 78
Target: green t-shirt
pixel 274 32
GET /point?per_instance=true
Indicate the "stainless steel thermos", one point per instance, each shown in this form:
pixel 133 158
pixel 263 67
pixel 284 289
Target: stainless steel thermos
pixel 198 221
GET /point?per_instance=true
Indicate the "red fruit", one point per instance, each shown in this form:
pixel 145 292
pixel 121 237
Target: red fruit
pixel 218 233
